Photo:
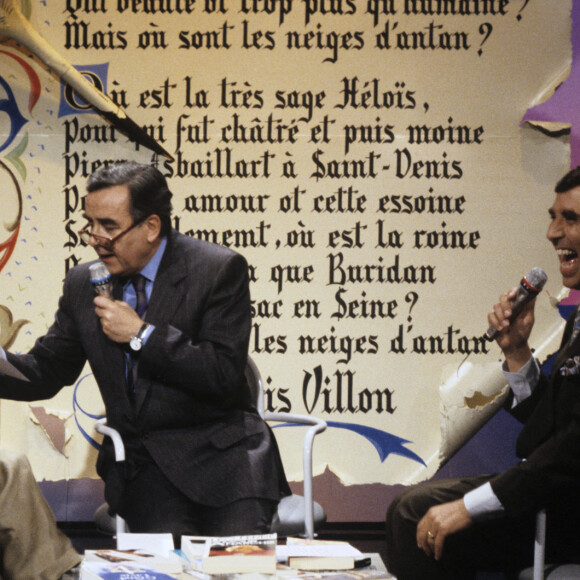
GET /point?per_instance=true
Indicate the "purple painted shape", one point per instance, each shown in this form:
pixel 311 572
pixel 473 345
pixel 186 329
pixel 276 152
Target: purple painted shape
pixel 74 500
pixel 563 106
pixel 572 299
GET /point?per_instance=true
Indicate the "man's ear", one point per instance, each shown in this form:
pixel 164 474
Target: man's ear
pixel 153 225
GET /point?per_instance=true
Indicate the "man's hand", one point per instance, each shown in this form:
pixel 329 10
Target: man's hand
pixel 513 335
pixel 118 320
pixel 438 523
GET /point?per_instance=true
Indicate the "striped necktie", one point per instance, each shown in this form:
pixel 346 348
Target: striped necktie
pixel 132 361
pixel 139 285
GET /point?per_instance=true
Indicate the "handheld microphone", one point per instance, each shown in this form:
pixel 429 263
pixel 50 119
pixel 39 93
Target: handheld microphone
pixel 101 279
pixel 530 286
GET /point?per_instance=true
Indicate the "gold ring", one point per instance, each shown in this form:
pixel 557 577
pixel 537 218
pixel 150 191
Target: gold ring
pixel 430 535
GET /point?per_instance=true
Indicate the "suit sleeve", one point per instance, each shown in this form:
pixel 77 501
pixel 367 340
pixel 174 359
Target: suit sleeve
pixel 550 443
pixel 551 471
pixel 208 357
pixel 56 359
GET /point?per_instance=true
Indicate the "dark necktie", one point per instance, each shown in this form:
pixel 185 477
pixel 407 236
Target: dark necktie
pixel 139 285
pixel 141 306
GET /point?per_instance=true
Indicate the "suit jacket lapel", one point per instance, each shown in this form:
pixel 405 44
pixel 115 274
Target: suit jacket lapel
pixel 108 361
pixel 569 347
pixel 109 357
pixel 166 298
pixel 167 293
pixel 117 289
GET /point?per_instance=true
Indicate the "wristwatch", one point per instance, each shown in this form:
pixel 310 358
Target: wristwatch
pixel 136 342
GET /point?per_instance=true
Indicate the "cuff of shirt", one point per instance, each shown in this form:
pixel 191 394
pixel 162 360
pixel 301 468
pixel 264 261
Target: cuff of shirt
pixel 523 382
pixel 147 333
pixel 482 503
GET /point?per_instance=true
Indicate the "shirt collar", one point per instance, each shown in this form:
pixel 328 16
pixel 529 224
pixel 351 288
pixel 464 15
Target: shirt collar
pixel 151 268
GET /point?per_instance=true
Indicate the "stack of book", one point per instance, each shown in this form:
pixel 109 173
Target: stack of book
pixel 319 555
pixel 231 554
pixel 203 556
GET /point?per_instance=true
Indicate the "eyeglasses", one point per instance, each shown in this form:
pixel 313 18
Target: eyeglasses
pixel 107 243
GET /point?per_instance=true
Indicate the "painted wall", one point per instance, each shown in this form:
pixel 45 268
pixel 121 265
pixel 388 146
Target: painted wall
pixel 369 159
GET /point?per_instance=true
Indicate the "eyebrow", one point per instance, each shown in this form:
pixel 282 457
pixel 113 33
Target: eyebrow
pixel 103 221
pixel 565 213
pixel 569 214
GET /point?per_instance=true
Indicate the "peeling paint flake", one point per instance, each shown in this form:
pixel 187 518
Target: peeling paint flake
pixel 479 400
pixel 53 423
pixel 469 398
pixel 472 393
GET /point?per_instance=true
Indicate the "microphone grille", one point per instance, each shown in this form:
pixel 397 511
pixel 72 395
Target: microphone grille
pixel 98 272
pixel 536 277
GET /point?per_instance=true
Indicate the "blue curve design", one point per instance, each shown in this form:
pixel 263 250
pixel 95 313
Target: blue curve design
pixel 76 406
pixel 10 106
pixel 385 443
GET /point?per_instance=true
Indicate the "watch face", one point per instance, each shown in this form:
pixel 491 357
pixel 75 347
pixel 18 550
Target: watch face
pixel 135 343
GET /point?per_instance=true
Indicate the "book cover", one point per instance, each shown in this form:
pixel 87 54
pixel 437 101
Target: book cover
pixel 231 554
pixel 121 571
pixel 314 555
pixel 135 556
pixel 160 543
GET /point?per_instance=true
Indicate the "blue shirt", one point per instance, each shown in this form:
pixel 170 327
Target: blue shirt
pixel 149 272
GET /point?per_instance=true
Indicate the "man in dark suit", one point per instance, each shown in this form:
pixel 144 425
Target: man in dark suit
pixel 451 528
pixel 168 352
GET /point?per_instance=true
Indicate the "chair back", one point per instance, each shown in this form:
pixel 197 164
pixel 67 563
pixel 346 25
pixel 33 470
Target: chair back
pixel 294 512
pixel 541 570
pixel 256 385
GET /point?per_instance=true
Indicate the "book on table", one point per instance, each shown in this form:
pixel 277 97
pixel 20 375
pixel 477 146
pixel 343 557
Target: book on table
pixel 318 555
pixel 231 554
pixel 134 557
pixel 121 571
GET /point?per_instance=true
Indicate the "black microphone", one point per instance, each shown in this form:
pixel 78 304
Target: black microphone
pixel 101 279
pixel 530 286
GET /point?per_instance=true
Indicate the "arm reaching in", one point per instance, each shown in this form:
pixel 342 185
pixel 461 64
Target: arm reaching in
pixel 449 518
pixel 513 336
pixel 438 523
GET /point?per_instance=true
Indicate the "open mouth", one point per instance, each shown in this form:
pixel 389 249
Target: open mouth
pixel 567 255
pixel 568 266
pixel 105 257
